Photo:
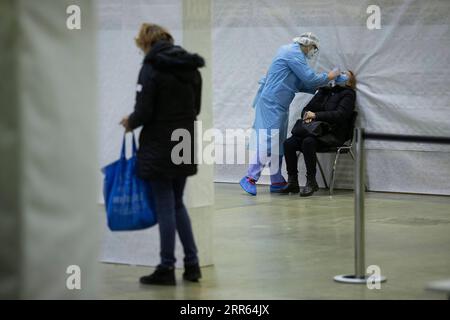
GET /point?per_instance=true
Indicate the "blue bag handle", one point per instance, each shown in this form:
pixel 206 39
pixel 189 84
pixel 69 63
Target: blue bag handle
pixel 134 150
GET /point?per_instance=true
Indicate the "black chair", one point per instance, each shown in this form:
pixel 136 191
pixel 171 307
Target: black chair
pixel 345 148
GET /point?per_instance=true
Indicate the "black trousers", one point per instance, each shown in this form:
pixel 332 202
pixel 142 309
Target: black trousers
pixel 307 146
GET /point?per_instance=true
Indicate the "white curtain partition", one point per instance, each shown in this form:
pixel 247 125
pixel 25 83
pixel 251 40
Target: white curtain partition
pixel 48 222
pixel 402 72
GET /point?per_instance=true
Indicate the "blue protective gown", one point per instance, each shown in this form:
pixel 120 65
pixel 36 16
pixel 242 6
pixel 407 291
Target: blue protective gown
pixel 288 74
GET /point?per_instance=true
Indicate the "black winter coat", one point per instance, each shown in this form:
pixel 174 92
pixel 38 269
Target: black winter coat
pixel 168 98
pixel 335 106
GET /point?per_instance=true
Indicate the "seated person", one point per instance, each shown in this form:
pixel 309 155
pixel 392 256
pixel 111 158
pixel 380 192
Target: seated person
pixel 334 105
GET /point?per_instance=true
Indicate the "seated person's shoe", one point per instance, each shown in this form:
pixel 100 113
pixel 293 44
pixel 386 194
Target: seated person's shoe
pixel 162 276
pixel 249 185
pixel 292 186
pixel 278 187
pixel 192 273
pixel 310 187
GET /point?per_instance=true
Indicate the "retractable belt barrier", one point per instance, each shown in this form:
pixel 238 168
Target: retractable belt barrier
pixel 360 275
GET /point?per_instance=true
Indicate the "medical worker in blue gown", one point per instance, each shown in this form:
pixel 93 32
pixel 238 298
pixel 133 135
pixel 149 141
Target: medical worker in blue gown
pixel 288 74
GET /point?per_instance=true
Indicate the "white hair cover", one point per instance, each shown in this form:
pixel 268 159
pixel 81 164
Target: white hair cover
pixel 307 38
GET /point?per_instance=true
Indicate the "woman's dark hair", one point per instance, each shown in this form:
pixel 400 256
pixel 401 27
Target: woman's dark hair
pixel 352 80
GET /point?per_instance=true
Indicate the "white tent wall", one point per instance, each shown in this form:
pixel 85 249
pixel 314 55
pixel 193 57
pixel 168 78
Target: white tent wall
pixel 119 62
pixel 401 69
pixel 48 222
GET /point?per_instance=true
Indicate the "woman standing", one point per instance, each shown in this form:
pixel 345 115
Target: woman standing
pixel 168 97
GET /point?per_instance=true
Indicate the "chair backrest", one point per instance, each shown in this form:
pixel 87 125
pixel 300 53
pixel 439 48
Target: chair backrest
pixel 352 127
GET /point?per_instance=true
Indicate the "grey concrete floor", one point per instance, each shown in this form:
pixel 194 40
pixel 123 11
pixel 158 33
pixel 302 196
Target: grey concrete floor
pixel 287 247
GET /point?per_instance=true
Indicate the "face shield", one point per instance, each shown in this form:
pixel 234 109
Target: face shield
pixel 313 52
pixel 308 39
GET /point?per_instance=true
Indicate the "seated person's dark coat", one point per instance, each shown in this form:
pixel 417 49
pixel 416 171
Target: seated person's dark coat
pixel 332 105
pixel 335 106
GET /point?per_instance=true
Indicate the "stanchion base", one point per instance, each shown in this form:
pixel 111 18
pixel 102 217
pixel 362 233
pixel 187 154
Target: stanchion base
pixel 352 279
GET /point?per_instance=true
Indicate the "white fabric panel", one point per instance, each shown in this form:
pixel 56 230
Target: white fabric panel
pixel 119 61
pixel 48 131
pixel 401 71
pixel 10 186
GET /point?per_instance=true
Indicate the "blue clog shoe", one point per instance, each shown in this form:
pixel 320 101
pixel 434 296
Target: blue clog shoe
pixel 277 187
pixel 249 185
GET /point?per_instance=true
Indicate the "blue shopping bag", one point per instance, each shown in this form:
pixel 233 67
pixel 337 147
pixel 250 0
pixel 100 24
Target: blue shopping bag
pixel 127 198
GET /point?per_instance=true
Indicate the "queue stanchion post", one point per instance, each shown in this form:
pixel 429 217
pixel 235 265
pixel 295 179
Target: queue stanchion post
pixel 360 276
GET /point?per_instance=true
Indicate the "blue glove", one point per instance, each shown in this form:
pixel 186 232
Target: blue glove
pixel 336 71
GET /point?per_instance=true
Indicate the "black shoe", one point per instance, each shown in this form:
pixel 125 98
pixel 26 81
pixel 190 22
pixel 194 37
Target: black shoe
pixel 310 187
pixel 162 276
pixel 192 273
pixel 292 186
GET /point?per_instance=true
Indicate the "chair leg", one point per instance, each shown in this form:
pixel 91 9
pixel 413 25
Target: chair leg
pixel 351 154
pixel 321 172
pixel 333 173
